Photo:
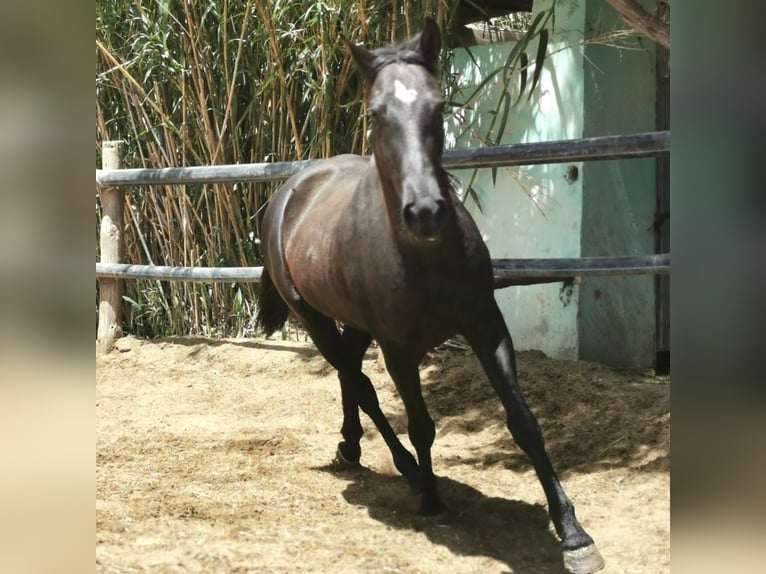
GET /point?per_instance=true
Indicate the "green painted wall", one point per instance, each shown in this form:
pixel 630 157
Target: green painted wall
pixel 617 314
pixel 536 211
pixel 530 211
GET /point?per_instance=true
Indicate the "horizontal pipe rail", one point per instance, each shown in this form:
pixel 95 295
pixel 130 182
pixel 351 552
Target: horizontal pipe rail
pixel 560 151
pixel 201 174
pixel 507 272
pixel 630 265
pixel 166 273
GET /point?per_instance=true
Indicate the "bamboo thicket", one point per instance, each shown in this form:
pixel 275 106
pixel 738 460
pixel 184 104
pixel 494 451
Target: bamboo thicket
pixel 209 82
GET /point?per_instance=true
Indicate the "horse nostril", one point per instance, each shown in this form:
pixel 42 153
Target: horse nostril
pixel 425 216
pixel 409 214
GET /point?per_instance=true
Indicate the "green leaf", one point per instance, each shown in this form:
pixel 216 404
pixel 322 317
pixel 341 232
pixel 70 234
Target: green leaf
pixel 538 23
pixel 481 86
pixel 471 56
pixel 132 302
pixel 505 103
pixel 523 76
pixel 469 187
pixel 539 61
pixel 475 196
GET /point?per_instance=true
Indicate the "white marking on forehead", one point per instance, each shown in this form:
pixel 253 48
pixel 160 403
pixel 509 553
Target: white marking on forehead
pixel 403 93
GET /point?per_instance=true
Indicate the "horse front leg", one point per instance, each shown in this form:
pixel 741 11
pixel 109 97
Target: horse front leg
pixel 358 392
pixel 403 369
pixel 491 341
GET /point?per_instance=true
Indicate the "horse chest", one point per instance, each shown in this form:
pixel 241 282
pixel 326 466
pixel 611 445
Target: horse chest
pixel 415 308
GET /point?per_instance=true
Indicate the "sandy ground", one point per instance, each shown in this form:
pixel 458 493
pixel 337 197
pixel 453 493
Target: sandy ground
pixel 214 456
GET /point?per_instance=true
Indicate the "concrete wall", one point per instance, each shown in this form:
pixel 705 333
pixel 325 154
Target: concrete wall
pixel 530 211
pixel 617 314
pixel 538 211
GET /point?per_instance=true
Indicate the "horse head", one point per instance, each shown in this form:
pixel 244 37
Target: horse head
pixel 406 107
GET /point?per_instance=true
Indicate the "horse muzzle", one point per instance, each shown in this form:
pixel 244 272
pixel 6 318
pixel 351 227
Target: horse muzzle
pixel 425 219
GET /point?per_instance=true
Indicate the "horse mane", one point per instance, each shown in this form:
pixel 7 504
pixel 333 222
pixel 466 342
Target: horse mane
pixel 398 54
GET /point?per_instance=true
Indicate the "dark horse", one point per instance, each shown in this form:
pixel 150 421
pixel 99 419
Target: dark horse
pixel 384 246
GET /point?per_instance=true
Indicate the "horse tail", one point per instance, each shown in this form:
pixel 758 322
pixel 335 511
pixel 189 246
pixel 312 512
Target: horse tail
pixel 272 310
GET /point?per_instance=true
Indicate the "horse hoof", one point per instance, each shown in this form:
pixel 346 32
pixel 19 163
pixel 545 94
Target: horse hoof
pixel 585 560
pixel 343 462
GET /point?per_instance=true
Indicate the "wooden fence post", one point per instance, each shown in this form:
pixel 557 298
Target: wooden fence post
pixel 111 240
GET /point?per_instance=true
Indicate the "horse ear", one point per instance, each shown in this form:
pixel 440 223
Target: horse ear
pixel 428 42
pixel 363 58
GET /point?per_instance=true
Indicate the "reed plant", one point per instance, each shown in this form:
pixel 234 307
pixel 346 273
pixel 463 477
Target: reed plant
pixel 206 82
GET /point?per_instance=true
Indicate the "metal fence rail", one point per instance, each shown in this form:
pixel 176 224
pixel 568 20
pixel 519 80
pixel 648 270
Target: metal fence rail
pixel 560 151
pixel 508 272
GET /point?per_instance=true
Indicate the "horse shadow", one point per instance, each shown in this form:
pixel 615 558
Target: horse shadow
pixel 513 532
pixel 307 353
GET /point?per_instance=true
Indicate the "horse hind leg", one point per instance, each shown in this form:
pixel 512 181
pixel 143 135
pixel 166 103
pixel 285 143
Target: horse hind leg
pixel 345 353
pixel 492 344
pixel 355 344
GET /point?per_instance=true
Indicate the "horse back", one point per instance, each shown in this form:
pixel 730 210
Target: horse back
pixel 305 194
pixel 307 222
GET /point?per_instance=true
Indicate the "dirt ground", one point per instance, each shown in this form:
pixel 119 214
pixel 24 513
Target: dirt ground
pixel 214 456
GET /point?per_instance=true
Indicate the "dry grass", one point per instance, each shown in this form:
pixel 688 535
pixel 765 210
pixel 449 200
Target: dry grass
pixel 212 455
